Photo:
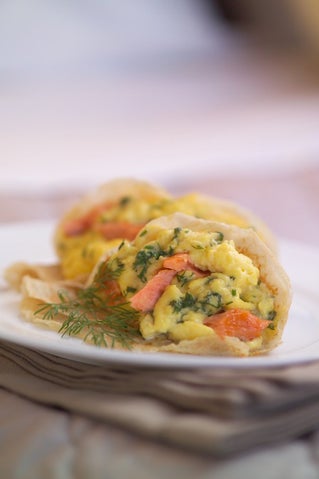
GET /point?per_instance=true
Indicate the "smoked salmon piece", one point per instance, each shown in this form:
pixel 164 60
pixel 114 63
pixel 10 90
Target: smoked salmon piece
pixel 181 262
pixel 239 323
pixel 118 229
pixel 77 226
pixel 178 262
pixel 147 297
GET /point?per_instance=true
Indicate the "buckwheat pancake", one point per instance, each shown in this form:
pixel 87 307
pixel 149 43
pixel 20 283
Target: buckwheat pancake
pixel 183 285
pixel 203 287
pixel 119 209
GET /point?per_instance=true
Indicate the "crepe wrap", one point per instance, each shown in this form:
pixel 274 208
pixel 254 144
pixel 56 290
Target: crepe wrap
pixel 37 291
pixel 202 206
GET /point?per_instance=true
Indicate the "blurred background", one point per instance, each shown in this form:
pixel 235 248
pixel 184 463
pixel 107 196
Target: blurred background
pixel 221 96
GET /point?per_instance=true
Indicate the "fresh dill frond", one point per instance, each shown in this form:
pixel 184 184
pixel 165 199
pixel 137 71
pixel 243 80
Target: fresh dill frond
pixel 97 313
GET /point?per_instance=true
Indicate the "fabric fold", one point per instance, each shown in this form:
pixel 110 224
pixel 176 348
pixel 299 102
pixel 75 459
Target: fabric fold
pixel 210 410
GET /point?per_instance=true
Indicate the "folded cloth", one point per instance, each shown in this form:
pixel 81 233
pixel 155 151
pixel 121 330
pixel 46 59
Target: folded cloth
pixel 216 411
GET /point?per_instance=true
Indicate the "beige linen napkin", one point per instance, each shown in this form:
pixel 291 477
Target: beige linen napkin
pixel 215 411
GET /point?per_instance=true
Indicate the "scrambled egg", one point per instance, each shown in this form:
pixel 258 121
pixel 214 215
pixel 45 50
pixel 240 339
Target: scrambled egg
pixel 229 280
pixel 79 253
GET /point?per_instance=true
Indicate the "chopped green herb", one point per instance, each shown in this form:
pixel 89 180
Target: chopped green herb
pixel 186 301
pixel 184 277
pixel 124 201
pixel 233 292
pixel 147 256
pixel 143 233
pixel 177 231
pixel 209 305
pixel 62 246
pixel 211 300
pixel 197 246
pixel 130 289
pixel 219 237
pixel 271 315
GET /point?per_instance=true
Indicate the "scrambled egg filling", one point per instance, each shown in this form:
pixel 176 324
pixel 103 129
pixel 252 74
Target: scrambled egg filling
pixel 229 280
pixel 79 253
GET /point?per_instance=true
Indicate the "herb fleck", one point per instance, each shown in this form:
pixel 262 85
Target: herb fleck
pixel 184 277
pixel 211 300
pixel 177 231
pixel 124 201
pixel 219 236
pixel 271 315
pixel 130 289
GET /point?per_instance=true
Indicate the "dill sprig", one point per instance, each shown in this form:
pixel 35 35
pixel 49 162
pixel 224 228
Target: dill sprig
pixel 98 313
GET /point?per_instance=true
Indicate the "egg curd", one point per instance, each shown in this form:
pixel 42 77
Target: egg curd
pixel 214 277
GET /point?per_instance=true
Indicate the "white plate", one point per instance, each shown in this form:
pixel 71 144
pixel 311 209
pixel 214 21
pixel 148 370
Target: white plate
pixel 32 242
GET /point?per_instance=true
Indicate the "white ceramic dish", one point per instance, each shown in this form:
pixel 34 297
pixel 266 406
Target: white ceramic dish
pixel 32 242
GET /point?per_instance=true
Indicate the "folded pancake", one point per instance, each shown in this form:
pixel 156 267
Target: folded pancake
pixel 184 285
pixel 224 211
pixel 99 221
pixel 120 208
pixel 15 273
pixel 203 287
